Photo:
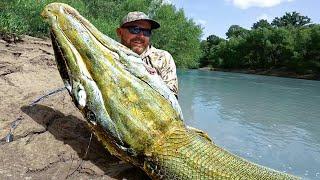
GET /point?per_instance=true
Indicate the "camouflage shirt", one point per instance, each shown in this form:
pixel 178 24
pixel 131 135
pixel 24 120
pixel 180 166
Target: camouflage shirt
pixel 163 62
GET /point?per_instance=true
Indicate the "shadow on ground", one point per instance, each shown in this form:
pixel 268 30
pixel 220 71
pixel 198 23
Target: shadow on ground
pixel 75 132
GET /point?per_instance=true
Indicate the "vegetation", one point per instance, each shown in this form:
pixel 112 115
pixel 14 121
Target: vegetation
pixel 178 34
pixel 289 43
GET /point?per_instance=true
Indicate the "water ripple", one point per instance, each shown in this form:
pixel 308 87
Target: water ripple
pixel 268 120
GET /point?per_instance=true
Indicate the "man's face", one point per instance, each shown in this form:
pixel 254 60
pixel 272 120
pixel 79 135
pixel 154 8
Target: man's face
pixel 136 42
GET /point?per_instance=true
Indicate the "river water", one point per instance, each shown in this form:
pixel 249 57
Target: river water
pixel 272 121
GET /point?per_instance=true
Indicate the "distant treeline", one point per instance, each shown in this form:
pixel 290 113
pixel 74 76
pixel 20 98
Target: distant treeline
pixel 289 43
pixel 178 34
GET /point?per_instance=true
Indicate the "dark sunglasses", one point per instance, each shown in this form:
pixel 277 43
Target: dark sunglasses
pixel 137 30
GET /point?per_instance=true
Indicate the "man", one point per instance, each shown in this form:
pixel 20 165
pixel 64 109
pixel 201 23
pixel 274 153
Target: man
pixel 135 31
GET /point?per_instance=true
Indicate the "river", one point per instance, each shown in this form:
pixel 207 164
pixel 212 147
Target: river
pixel 272 121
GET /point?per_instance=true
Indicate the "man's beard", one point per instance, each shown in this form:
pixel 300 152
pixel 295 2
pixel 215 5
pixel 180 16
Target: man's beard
pixel 137 48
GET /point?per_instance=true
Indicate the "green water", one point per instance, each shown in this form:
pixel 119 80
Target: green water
pixel 272 121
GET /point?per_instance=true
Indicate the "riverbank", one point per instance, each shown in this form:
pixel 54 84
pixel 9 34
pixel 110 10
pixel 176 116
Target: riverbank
pixel 49 139
pixel 280 72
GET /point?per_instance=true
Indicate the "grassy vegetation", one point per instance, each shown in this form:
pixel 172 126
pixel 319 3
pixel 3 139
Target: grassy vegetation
pixel 23 17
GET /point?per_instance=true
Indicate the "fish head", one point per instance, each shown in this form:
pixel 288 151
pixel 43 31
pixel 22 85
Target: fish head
pixel 109 83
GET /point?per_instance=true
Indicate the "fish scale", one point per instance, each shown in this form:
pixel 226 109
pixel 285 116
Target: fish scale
pixel 197 157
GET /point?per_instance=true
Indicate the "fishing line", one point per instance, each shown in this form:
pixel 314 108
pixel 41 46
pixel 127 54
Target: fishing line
pixel 85 155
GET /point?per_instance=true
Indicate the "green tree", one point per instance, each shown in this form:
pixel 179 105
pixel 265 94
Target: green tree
pixel 209 51
pixel 178 35
pixel 236 31
pixel 258 48
pixel 262 23
pixel 290 43
pixel 313 50
pixel 291 19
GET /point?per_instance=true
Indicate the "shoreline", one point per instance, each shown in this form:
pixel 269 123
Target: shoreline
pixel 267 72
pixel 279 72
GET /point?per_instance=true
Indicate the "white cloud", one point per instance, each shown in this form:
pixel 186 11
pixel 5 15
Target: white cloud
pixel 245 4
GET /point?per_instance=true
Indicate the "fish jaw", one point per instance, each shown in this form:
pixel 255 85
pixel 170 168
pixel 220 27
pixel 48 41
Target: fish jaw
pixel 75 75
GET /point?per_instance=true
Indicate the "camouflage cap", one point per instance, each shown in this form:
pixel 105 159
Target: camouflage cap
pixel 136 16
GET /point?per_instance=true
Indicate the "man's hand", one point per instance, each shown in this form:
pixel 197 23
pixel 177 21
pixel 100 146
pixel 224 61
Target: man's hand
pixel 151 70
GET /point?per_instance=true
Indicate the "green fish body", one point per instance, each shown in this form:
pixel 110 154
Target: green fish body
pixel 135 116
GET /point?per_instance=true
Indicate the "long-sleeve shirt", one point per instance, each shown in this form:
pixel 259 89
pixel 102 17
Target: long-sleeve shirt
pixel 164 64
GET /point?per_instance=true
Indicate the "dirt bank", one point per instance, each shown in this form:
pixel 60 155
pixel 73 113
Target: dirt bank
pixel 51 137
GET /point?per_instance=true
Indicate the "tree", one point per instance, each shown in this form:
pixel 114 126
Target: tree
pixel 293 45
pixel 262 23
pixel 236 31
pixel 209 49
pixel 214 40
pixel 313 53
pixel 178 35
pixel 291 19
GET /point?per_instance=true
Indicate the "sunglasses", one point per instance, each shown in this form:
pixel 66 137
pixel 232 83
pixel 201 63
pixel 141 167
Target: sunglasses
pixel 138 30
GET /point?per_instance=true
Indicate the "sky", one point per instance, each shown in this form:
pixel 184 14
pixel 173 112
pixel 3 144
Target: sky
pixel 216 16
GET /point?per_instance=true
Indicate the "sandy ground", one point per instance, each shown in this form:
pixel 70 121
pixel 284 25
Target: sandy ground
pixel 50 138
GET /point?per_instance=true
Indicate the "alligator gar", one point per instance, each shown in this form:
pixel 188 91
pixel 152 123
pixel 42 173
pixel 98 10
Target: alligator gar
pixel 134 115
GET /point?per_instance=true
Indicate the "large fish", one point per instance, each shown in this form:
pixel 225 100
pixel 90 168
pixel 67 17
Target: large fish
pixel 135 116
